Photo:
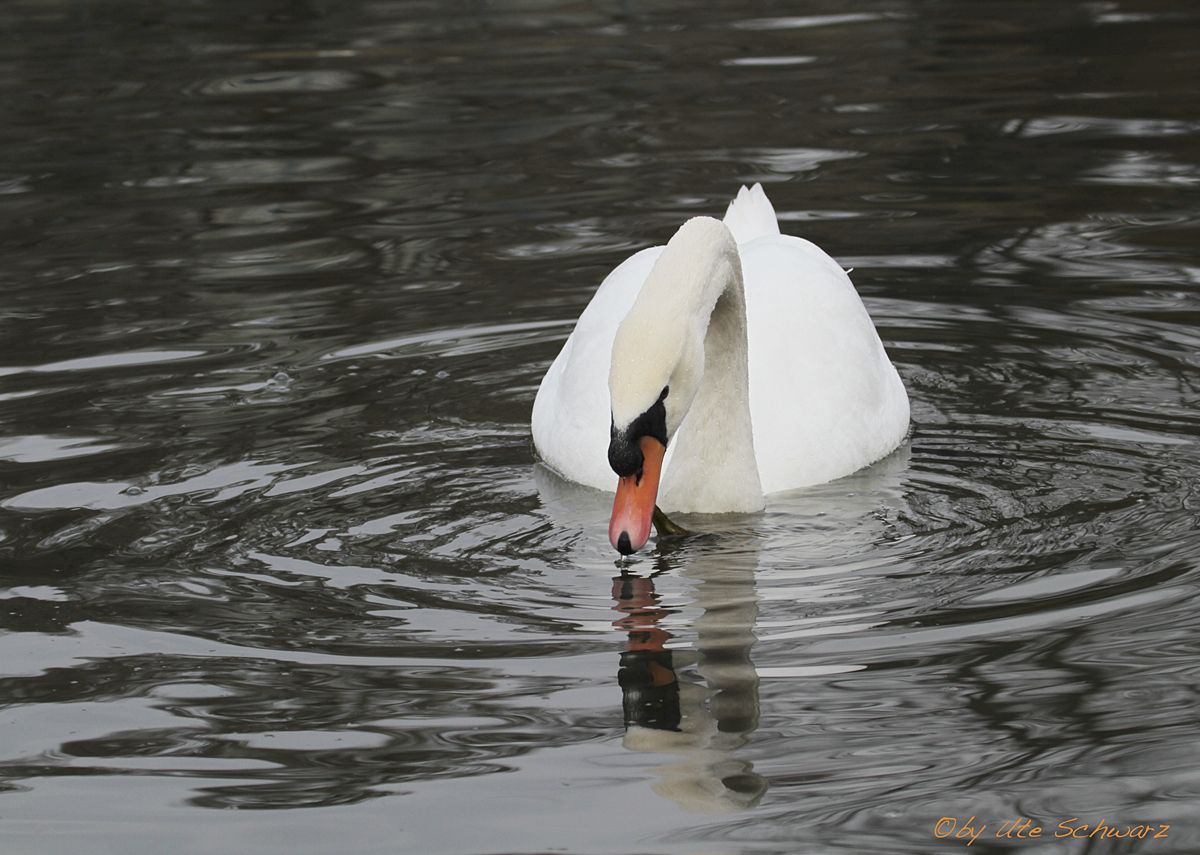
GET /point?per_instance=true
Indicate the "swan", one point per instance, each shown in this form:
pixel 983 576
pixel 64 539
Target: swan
pixel 730 364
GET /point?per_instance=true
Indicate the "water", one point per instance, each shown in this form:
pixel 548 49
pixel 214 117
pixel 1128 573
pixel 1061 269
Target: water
pixel 278 573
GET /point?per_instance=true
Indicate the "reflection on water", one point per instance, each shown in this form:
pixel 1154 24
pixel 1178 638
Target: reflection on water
pixel 278 572
pixel 701 723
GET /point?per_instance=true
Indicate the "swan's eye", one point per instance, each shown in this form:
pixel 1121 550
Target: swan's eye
pixel 665 390
pixel 624 454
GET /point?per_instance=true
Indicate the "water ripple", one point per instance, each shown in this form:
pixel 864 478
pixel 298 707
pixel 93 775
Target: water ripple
pixel 280 285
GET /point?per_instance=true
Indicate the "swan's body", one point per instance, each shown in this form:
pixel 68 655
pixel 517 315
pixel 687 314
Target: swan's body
pixel 784 387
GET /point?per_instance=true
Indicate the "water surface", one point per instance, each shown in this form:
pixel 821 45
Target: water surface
pixel 279 574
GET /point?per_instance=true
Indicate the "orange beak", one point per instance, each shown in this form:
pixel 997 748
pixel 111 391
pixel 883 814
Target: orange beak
pixel 633 509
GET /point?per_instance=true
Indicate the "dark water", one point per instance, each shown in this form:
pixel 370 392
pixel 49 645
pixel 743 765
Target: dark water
pixel 278 573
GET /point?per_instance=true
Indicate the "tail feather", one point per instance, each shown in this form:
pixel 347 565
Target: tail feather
pixel 751 215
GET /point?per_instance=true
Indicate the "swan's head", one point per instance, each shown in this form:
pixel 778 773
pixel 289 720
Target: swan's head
pixel 656 370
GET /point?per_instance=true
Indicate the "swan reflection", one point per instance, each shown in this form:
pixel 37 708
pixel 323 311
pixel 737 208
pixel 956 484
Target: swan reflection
pixel 702 722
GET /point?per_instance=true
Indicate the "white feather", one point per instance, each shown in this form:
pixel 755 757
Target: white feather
pixel 824 400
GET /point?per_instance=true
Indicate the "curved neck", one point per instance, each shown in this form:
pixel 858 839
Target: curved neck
pixel 713 466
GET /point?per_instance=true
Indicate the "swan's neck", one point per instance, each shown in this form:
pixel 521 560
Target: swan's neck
pixel 713 466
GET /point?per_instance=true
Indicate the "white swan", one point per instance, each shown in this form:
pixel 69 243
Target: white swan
pixel 745 351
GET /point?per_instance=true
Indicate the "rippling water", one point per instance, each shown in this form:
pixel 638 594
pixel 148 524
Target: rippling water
pixel 280 280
